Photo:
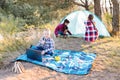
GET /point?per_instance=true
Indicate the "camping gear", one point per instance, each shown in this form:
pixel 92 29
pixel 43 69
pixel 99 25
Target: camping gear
pixel 34 54
pixel 71 62
pixel 57 58
pixel 77 26
pixel 18 67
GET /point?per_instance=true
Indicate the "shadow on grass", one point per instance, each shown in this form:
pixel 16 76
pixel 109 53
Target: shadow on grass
pixel 95 44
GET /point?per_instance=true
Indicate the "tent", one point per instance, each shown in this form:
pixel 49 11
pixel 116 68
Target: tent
pixel 77 26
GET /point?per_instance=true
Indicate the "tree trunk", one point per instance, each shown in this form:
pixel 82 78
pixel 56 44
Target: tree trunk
pixel 2 3
pixel 106 6
pixel 97 8
pixel 102 7
pixel 115 19
pixel 110 6
pixel 86 5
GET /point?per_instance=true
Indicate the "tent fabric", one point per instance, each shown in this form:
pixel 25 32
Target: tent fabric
pixel 69 62
pixel 77 23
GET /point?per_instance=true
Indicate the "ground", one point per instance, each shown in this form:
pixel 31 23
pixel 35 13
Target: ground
pixel 105 67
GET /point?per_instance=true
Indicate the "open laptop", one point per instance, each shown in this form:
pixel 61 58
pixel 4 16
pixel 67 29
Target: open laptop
pixel 34 54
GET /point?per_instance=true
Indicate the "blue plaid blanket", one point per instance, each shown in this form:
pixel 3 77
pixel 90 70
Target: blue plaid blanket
pixel 70 62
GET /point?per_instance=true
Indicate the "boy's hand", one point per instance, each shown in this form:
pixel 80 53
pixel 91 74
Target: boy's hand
pixel 42 42
pixel 43 52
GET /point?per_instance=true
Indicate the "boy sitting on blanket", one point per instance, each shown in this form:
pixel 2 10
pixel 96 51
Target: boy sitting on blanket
pixel 46 44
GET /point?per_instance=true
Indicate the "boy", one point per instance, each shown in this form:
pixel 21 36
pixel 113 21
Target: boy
pixel 46 44
pixel 62 29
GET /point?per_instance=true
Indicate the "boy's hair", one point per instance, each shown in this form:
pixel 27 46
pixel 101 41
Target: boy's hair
pixel 90 17
pixel 66 21
pixel 47 30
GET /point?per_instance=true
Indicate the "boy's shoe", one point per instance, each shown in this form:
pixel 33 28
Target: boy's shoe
pixel 65 36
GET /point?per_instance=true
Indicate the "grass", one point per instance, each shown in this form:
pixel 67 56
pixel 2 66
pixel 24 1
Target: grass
pixel 109 54
pixel 10 45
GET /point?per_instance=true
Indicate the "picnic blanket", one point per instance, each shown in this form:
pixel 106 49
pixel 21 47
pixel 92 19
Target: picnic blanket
pixel 69 62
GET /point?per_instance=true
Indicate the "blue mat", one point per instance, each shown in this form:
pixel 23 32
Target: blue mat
pixel 71 62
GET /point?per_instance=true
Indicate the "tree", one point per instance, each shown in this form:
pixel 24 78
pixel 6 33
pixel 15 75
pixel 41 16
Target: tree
pixel 110 6
pixel 84 3
pixel 115 19
pixel 106 6
pixel 97 8
pixel 2 3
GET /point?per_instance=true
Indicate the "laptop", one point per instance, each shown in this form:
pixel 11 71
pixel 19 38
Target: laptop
pixel 34 54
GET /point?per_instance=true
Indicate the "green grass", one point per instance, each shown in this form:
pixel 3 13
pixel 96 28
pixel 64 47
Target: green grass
pixel 12 44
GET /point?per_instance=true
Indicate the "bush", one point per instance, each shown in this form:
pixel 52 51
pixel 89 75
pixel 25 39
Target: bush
pixel 23 10
pixel 36 12
pixel 10 24
pixel 11 44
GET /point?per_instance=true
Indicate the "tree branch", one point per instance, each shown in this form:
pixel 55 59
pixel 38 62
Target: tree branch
pixel 79 4
pixel 82 1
